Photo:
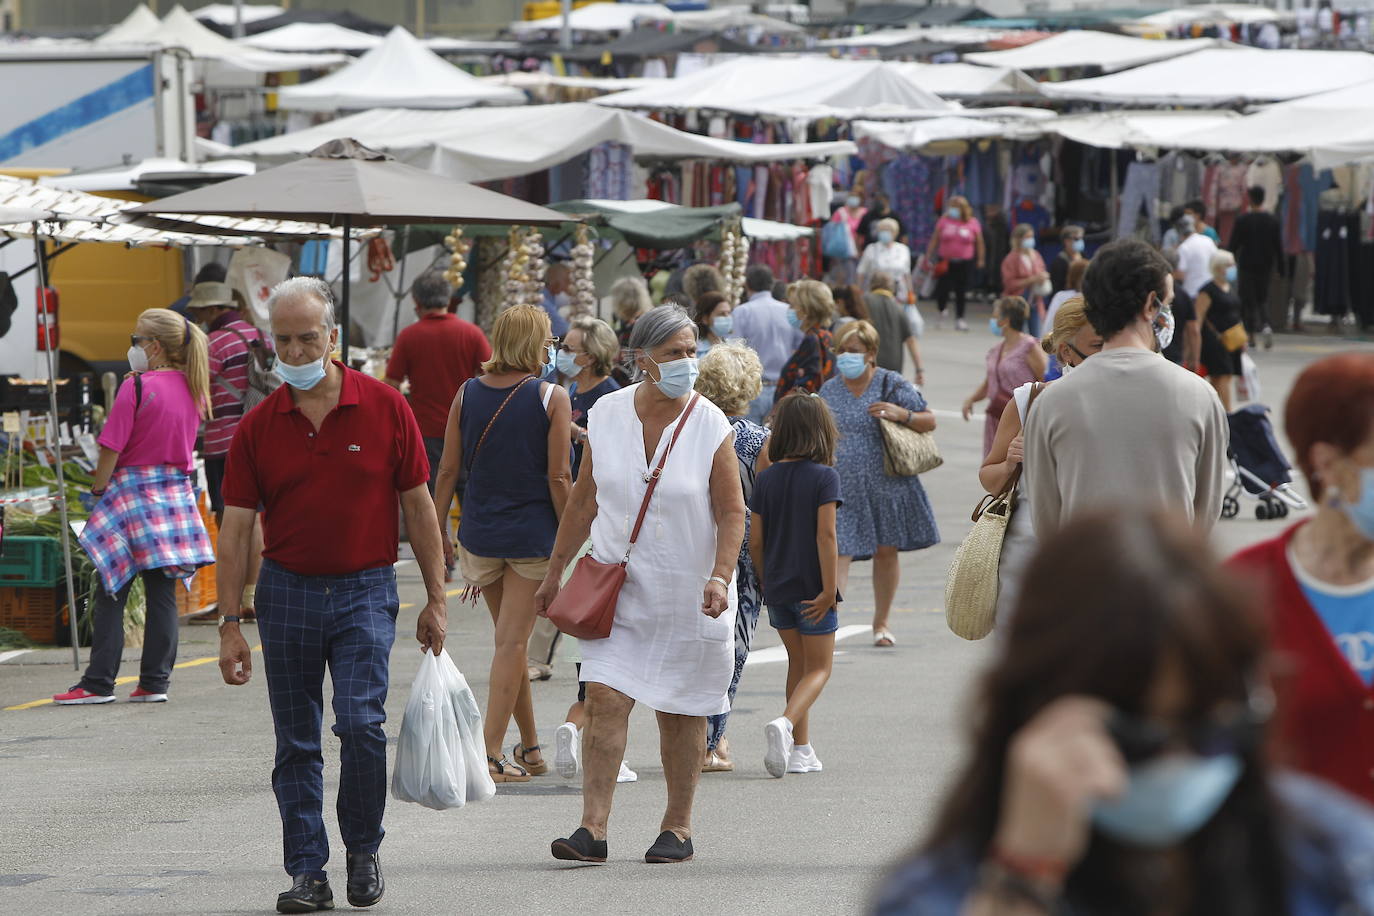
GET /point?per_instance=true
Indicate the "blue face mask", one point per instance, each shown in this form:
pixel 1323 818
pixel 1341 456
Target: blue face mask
pixel 1168 799
pixel 954 213
pixel 994 328
pixel 1028 242
pixel 885 236
pixel 851 365
pixel 550 360
pixel 722 325
pixel 1079 245
pixel 794 319
pixel 1361 514
pixel 567 363
pixel 676 378
pixel 1231 274
pixel 300 377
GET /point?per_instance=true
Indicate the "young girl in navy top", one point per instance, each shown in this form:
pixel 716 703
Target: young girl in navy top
pixel 794 550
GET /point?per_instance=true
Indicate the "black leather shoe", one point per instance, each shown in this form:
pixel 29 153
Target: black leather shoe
pixel 307 895
pixel 580 847
pixel 365 884
pixel 668 849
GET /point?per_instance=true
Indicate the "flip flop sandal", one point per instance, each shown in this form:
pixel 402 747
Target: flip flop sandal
pixel 504 771
pixel 717 764
pixel 534 769
pixel 883 638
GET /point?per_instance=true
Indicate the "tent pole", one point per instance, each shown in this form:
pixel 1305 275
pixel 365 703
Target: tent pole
pixel 41 262
pixel 343 307
pixel 404 239
pixel 1115 216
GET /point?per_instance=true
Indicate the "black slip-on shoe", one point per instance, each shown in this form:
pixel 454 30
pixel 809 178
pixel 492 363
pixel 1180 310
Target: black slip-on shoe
pixel 365 884
pixel 307 895
pixel 580 847
pixel 668 849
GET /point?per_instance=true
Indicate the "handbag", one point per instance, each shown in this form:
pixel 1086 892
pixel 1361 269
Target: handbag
pixel 906 452
pixel 1234 338
pixel 585 606
pixel 972 586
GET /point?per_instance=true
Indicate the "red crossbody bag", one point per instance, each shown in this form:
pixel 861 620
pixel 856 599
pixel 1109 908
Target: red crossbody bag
pixel 585 607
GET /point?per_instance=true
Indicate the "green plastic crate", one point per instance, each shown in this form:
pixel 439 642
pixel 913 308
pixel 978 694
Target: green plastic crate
pixel 30 562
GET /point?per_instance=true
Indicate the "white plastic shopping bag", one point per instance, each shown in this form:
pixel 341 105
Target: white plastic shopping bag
pixel 440 758
pixel 1249 378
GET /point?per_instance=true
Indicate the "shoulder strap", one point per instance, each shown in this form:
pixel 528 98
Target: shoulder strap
pixel 138 391
pixel 1008 491
pixel 499 411
pixel 658 472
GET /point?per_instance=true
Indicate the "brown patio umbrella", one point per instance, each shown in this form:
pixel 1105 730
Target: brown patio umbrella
pixel 344 183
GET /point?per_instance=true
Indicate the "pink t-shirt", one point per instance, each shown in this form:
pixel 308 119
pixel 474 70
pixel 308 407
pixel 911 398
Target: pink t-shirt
pixel 958 238
pixel 161 430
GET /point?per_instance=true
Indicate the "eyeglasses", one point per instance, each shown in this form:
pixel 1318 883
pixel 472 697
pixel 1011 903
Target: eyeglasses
pixel 136 339
pixel 1235 727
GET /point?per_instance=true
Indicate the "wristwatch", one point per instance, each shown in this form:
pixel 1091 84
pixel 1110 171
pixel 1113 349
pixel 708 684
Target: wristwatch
pixel 227 618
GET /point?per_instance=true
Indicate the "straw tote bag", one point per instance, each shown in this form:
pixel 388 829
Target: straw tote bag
pixel 906 452
pixel 972 585
pixel 585 606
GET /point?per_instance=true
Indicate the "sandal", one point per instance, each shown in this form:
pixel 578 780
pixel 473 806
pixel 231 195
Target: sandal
pixel 883 638
pixel 504 771
pixel 521 754
pixel 717 764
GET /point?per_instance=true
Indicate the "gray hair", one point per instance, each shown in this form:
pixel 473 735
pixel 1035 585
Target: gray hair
pixel 657 325
pixel 431 290
pixel 301 288
pixel 630 298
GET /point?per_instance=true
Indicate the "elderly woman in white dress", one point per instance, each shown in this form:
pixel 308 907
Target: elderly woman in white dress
pixel 887 256
pixel 671 646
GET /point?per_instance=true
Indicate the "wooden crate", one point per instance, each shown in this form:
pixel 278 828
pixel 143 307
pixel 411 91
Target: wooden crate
pixel 32 611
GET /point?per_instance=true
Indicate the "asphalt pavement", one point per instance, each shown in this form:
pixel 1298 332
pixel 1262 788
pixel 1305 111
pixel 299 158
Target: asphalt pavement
pixel 129 808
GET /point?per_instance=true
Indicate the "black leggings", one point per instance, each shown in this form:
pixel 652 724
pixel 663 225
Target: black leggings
pixel 957 280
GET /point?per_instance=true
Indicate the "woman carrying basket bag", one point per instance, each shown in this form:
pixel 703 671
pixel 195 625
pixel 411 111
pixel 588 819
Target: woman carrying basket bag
pixel 670 645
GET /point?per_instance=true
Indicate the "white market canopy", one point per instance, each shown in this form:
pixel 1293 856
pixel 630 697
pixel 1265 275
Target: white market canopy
pixel 1240 13
pixel 126 178
pixel 1089 49
pixel 486 144
pixel 884 38
pixel 596 17
pixel 312 36
pixel 224 14
pixel 722 18
pixel 1137 129
pixel 399 73
pixel 785 87
pixel 762 230
pixel 179 29
pixel 954 81
pixel 538 80
pixel 930 132
pixel 1223 77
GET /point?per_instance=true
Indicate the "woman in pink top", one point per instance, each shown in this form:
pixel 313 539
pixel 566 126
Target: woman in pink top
pixel 1016 360
pixel 145 521
pixel 958 238
pixel 1024 274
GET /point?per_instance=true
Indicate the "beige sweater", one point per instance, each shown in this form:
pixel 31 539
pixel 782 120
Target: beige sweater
pixel 1126 429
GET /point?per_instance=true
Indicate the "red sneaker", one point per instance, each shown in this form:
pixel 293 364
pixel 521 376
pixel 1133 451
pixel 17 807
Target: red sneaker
pixel 142 696
pixel 78 696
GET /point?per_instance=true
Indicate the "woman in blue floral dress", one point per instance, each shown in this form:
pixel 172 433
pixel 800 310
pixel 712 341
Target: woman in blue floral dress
pixel 731 378
pixel 881 515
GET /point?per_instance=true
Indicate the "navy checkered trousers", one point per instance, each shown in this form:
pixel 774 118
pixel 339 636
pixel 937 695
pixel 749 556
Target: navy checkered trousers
pixel 348 623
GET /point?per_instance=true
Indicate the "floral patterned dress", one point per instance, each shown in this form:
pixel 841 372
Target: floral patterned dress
pixel 809 367
pixel 878 510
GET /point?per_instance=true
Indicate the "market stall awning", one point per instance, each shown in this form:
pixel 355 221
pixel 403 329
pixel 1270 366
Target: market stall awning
pixel 959 81
pixel 178 29
pixel 798 87
pixel 930 132
pixel 1137 129
pixel 1089 49
pixel 225 14
pixel 399 73
pixel 730 17
pixel 662 225
pixel 1240 13
pixel 595 17
pixel 485 144
pixel 312 36
pixel 891 14
pixel 1231 76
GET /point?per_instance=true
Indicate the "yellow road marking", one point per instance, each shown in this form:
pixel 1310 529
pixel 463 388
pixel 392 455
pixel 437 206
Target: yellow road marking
pixel 119 682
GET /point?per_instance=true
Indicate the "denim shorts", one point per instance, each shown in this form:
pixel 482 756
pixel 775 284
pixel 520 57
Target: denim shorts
pixel 789 617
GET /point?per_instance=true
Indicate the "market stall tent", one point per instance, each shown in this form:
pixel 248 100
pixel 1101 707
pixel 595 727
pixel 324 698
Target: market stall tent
pixel 1137 129
pixel 178 29
pixel 225 14
pixel 1089 49
pixel 139 24
pixel 784 87
pixel 662 225
pixel 485 144
pixel 1230 76
pixel 316 36
pixel 955 81
pixel 595 17
pixel 399 73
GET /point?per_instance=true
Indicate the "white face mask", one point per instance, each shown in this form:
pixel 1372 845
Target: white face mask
pixel 138 359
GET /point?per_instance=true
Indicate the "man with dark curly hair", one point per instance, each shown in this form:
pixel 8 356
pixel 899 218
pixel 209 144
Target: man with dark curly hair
pixel 1127 427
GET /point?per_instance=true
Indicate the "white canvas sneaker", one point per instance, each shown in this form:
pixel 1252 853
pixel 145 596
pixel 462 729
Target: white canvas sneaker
pixel 778 737
pixel 567 750
pixel 803 760
pixel 626 774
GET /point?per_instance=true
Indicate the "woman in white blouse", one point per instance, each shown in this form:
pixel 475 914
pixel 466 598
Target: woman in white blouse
pixel 887 256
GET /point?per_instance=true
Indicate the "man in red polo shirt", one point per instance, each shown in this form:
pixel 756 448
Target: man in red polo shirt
pixel 324 459
pixel 437 354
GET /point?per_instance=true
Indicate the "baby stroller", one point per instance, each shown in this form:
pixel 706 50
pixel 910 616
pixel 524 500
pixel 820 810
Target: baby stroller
pixel 1259 468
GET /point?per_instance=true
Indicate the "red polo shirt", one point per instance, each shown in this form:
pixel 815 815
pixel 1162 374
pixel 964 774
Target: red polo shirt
pixel 438 354
pixel 328 497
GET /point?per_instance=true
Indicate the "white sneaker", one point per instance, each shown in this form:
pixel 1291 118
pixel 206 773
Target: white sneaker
pixel 960 324
pixel 567 750
pixel 1268 334
pixel 803 760
pixel 626 774
pixel 778 736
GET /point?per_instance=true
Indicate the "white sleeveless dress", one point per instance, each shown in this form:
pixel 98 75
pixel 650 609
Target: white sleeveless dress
pixel 662 651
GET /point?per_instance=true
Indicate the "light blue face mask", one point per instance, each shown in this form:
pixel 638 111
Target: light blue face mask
pixel 1028 242
pixel 303 377
pixel 994 328
pixel 1361 514
pixel 885 236
pixel 1231 274
pixel 722 325
pixel 851 365
pixel 1079 245
pixel 794 319
pixel 676 378
pixel 550 361
pixel 567 363
pixel 1168 799
pixel 954 213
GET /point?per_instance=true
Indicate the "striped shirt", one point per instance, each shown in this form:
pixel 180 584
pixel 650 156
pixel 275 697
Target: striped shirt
pixel 228 361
